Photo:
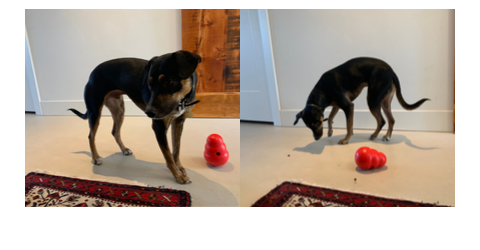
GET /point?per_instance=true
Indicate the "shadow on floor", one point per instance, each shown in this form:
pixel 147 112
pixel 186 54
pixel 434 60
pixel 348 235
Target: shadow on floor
pixel 317 147
pixel 227 167
pixel 204 192
pixel 371 171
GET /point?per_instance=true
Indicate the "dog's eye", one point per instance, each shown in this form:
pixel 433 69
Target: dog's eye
pixel 169 82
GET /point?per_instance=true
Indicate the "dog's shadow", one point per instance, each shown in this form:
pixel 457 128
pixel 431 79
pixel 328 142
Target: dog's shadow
pixel 204 192
pixel 317 147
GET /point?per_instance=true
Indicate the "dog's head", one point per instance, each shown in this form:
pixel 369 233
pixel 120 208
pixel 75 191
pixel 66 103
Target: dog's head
pixel 168 81
pixel 312 116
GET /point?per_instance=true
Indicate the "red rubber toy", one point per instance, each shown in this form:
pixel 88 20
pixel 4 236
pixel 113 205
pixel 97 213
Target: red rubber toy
pixel 215 153
pixel 367 158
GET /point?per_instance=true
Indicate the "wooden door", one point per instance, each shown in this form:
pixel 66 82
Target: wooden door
pixel 215 36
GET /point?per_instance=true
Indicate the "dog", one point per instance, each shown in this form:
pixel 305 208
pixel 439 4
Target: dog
pixel 340 86
pixel 163 87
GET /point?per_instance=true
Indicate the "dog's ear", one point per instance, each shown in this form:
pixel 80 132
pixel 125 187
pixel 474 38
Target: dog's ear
pixel 146 74
pixel 187 63
pixel 300 114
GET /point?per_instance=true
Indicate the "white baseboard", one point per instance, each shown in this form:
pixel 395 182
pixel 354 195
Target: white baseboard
pixel 60 108
pixel 415 120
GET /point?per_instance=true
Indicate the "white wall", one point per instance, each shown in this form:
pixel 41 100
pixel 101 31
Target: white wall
pixel 28 92
pixel 418 44
pixel 32 101
pixel 66 45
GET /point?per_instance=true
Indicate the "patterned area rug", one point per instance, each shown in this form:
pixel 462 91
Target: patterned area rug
pixel 290 194
pixel 44 190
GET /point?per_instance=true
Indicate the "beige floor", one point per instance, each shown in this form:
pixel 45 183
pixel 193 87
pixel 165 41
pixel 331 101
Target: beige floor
pixel 420 165
pixel 59 144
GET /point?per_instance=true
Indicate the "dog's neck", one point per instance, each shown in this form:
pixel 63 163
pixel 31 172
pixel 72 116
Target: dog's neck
pixel 185 101
pixel 318 99
pixel 188 100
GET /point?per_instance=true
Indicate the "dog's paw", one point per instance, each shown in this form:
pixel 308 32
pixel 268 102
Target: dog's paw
pixel 343 141
pixel 182 169
pixel 97 161
pixel 373 137
pixel 127 152
pixel 386 138
pixel 330 132
pixel 183 179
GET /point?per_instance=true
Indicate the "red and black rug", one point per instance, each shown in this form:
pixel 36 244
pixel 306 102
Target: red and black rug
pixel 44 190
pixel 290 194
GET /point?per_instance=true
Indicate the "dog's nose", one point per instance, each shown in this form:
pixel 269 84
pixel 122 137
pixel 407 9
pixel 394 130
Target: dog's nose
pixel 150 113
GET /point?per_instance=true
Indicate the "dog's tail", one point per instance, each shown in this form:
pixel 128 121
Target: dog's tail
pixel 83 116
pixel 402 101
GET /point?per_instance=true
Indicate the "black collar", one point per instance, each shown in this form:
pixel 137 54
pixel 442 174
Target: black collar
pixel 183 103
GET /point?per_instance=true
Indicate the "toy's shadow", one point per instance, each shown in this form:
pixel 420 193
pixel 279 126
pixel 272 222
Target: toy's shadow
pixel 317 147
pixel 204 192
pixel 371 171
pixel 227 167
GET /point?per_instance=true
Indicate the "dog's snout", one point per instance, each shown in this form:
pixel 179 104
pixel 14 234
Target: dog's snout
pixel 150 113
pixel 318 134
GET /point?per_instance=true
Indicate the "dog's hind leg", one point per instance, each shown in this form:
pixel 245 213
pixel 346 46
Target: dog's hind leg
pixel 377 91
pixel 94 103
pixel 377 113
pixel 387 109
pixel 114 102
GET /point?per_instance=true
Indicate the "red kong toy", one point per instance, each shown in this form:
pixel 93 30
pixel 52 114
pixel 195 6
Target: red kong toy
pixel 215 153
pixel 367 158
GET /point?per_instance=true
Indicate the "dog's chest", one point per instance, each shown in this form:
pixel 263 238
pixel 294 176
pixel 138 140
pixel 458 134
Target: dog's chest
pixel 179 112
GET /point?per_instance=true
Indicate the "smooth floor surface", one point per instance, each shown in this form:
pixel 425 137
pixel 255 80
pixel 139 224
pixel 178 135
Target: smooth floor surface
pixel 59 144
pixel 420 165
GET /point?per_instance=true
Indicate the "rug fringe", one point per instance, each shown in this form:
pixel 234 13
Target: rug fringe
pixel 300 181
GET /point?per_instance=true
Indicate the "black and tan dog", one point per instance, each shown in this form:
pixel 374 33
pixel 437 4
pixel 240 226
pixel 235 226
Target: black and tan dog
pixel 338 87
pixel 163 87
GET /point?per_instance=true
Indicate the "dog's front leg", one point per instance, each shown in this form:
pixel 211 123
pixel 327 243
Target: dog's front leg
pixel 177 128
pixel 161 134
pixel 349 115
pixel 330 120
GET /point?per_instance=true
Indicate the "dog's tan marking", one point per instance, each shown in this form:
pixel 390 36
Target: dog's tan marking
pixel 160 77
pixel 186 87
